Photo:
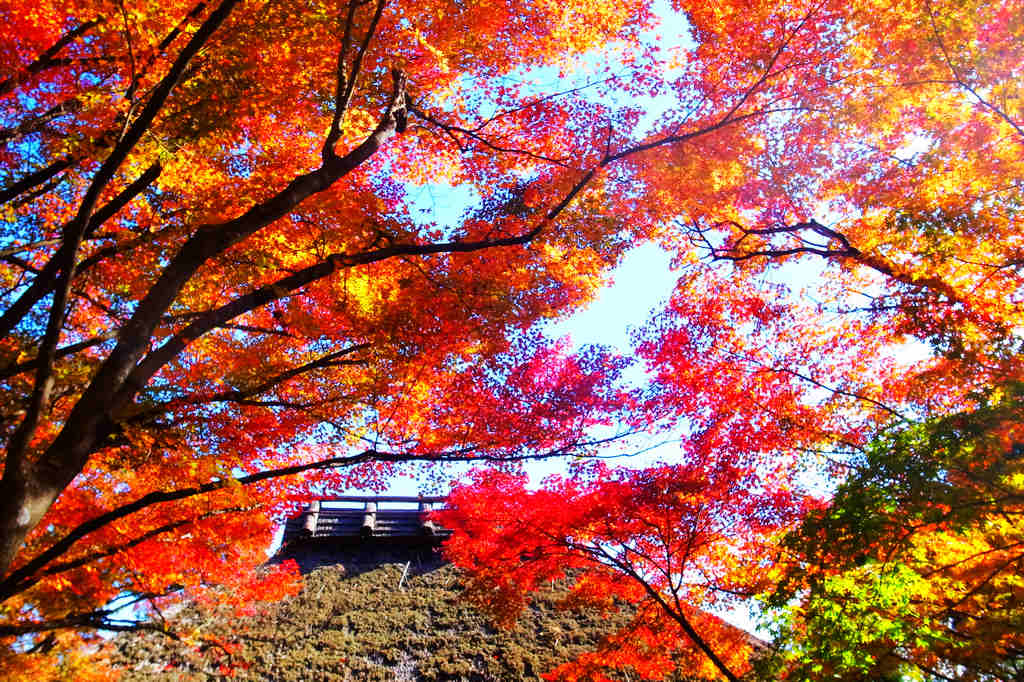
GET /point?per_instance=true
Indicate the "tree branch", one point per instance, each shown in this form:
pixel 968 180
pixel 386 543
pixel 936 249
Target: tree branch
pixel 959 80
pixel 46 59
pixel 329 360
pixel 162 47
pixel 115 549
pixel 9 585
pixel 36 178
pixel 675 614
pixel 345 85
pixel 17 478
pixel 70 349
pixel 47 278
pixel 36 123
pixel 734 252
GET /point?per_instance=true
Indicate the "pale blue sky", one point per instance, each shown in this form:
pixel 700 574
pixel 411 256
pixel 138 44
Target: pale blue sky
pixel 642 283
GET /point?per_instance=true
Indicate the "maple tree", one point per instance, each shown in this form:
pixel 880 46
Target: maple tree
pixel 216 278
pixel 901 207
pixel 674 540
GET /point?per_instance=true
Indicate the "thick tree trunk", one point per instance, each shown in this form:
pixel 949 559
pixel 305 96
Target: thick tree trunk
pixel 23 502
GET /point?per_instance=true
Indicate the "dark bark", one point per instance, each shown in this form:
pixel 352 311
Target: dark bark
pixel 37 123
pixel 27 489
pixel 36 178
pixel 48 58
pixel 47 278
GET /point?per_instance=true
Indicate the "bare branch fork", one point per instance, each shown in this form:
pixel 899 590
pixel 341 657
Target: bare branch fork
pixel 735 252
pixel 47 279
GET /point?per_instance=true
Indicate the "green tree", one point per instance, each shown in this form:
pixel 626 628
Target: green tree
pixel 917 565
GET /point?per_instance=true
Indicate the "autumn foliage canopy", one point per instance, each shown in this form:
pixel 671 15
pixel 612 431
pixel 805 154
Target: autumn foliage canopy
pixel 222 291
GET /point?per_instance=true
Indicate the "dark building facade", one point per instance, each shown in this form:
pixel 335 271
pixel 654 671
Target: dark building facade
pixel 363 532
